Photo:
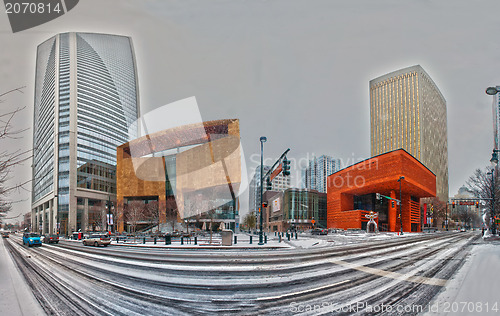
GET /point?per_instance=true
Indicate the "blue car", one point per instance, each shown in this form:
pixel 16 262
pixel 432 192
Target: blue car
pixel 31 239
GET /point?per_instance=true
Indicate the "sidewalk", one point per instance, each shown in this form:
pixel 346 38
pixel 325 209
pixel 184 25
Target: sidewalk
pixel 15 296
pixel 475 287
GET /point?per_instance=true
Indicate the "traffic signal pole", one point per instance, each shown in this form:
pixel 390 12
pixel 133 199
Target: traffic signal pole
pixel 262 177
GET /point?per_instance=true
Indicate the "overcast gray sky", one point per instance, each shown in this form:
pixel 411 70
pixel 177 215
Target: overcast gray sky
pixel 294 71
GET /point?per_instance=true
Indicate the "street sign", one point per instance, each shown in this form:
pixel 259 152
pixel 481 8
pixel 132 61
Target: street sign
pixel 276 171
pixel 466 203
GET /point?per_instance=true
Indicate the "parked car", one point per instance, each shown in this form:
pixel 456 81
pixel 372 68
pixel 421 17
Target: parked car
pixel 5 234
pixel 48 239
pixel 97 240
pixel 319 231
pixel 315 231
pixel 31 239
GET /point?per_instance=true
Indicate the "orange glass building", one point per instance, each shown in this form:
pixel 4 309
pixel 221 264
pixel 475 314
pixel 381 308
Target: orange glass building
pixel 352 192
pixel 191 170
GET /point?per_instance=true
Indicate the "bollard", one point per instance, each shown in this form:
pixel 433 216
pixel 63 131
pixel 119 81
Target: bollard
pixel 235 239
pixel 155 240
pixel 251 239
pixel 182 240
pixel 296 234
pixel 280 237
pixel 143 240
pixel 117 239
pixel 288 236
pixel 168 240
pixel 195 240
pixel 265 239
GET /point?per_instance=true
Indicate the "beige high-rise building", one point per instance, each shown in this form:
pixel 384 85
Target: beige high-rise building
pixel 408 111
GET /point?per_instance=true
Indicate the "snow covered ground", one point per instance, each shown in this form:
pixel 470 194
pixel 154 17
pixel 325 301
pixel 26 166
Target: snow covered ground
pixel 16 297
pixel 475 289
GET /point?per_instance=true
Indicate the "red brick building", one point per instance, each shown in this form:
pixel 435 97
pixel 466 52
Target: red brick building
pixel 352 192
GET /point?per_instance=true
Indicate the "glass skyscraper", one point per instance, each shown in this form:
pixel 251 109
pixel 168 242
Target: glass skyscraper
pixel 280 183
pixel 316 174
pixel 86 98
pixel 408 111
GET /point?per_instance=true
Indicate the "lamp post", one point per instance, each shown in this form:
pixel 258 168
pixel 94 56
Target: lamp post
pixel 262 141
pixel 400 205
pixel 108 217
pixel 446 217
pixel 494 156
pixel 492 216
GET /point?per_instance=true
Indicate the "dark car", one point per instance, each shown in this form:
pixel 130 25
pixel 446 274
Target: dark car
pixel 5 235
pixel 318 231
pixel 31 239
pixel 49 239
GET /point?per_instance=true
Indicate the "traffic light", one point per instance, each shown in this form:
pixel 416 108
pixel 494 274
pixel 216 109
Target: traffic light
pixel 392 203
pixel 453 204
pixel 477 204
pixel 286 167
pixel 269 185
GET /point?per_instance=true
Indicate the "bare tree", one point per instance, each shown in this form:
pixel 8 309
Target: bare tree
pixel 97 216
pixel 483 184
pixel 153 213
pixel 249 220
pixel 438 209
pixel 135 212
pixel 9 159
pixel 172 212
pixel 4 208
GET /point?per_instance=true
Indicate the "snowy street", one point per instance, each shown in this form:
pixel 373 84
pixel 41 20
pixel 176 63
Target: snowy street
pixel 376 276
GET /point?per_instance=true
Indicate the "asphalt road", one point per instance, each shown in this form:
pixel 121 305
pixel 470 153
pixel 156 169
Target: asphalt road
pixel 398 276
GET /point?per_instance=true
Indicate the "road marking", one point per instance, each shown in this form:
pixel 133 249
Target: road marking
pixel 301 292
pixel 392 275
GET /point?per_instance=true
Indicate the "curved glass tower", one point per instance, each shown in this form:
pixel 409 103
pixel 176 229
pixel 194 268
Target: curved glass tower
pixel 86 98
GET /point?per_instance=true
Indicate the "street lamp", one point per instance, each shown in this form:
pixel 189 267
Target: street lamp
pixel 400 205
pixel 494 156
pixel 492 90
pixel 446 218
pixel 108 217
pixel 262 141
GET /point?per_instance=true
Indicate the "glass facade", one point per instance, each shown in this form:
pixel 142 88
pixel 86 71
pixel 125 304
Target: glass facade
pixel 85 101
pixel 302 206
pixel 106 96
pixel 64 121
pixel 280 183
pixel 316 174
pixel 44 116
pixel 408 111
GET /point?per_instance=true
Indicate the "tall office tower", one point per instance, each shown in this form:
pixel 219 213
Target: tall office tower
pixel 316 174
pixel 86 98
pixel 280 183
pixel 408 111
